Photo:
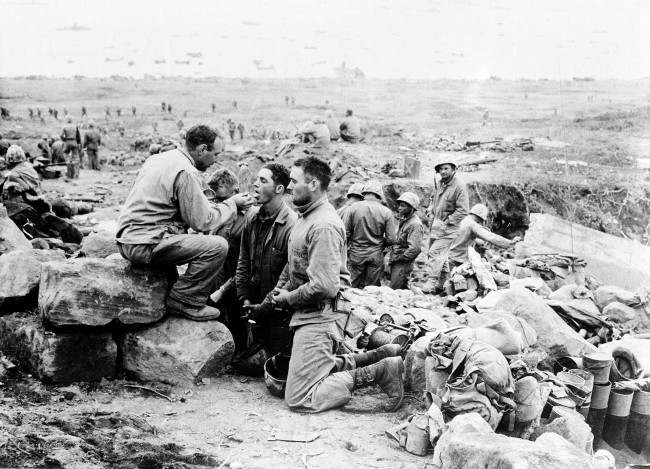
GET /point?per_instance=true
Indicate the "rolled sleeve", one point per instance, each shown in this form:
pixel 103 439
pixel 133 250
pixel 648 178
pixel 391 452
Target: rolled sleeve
pixel 195 209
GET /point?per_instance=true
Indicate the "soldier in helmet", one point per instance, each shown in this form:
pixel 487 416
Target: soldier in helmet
pixel 72 138
pixel 471 228
pixel 44 146
pixel 92 141
pixel 354 195
pixel 449 205
pixel 409 240
pixel 370 228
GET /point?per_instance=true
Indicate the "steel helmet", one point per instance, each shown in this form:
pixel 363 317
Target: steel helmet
pixel 15 154
pixel 355 189
pixel 410 198
pixel 154 148
pixel 480 211
pixel 276 370
pixel 443 161
pixel 373 187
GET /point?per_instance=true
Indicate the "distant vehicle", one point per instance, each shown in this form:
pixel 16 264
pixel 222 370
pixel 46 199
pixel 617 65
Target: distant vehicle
pixel 195 55
pixel 74 28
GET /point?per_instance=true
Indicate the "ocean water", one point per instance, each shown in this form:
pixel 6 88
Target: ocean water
pixel 303 38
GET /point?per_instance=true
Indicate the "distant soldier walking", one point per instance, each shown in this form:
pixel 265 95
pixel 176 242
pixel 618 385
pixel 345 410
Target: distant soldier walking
pixel 72 139
pixel 92 141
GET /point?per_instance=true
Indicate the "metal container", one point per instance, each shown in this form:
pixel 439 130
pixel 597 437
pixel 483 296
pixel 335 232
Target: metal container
pixel 599 364
pixel 637 436
pixel 618 413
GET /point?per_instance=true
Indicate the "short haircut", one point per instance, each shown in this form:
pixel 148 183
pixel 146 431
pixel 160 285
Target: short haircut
pixel 316 169
pixel 223 178
pixel 201 135
pixel 279 173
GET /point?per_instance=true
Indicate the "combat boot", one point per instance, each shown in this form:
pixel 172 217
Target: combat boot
pixel 205 313
pixel 373 356
pixel 388 374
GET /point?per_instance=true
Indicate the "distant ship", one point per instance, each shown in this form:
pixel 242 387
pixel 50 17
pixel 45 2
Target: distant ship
pixel 70 61
pixel 320 62
pixel 75 28
pixel 311 48
pixel 161 61
pixel 265 67
pixel 108 59
pixel 182 62
pixel 131 63
pixel 250 23
pixel 195 55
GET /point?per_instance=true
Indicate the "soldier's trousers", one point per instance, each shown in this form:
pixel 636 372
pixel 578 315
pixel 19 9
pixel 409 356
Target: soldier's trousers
pixel 438 253
pixel 399 274
pixel 319 379
pixel 204 255
pixel 93 160
pixel 365 269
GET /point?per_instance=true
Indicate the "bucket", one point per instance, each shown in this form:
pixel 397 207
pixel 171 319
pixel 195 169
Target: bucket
pixel 567 363
pixel 618 413
pixel 598 409
pixel 598 364
pixel 638 425
pixel 417 435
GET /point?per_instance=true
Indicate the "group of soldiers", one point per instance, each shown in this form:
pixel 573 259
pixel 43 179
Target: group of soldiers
pixel 276 276
pixel 321 131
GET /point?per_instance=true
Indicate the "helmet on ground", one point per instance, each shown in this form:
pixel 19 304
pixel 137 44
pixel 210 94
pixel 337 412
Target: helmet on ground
pixel 154 148
pixel 411 199
pixel 15 154
pixel 373 187
pixel 480 211
pixel 355 189
pixel 443 162
pixel 276 370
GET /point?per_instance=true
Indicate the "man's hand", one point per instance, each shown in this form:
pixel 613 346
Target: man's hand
pixel 254 312
pixel 243 201
pixel 280 297
pixel 515 240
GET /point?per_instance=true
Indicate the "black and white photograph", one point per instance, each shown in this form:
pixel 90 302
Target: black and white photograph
pixel 325 234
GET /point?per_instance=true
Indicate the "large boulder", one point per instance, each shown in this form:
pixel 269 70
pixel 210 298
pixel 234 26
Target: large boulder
pixel 572 427
pixel 20 275
pixel 101 244
pixel 178 351
pixel 64 357
pixel 467 444
pixel 554 336
pixel 11 238
pixel 94 292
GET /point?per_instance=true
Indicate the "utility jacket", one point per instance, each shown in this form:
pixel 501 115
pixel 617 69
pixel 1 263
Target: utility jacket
pixel 92 140
pixel 409 240
pixel 468 231
pixel 167 198
pixel 370 227
pixel 71 133
pixel 450 204
pixel 316 267
pixel 257 276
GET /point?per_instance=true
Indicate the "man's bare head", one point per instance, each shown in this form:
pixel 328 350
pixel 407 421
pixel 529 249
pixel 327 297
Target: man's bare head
pixel 203 144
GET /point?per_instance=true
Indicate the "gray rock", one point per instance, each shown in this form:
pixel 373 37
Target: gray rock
pixel 94 292
pixel 469 443
pixel 571 427
pixel 11 238
pixel 178 351
pixel 64 357
pixel 607 294
pixel 20 274
pixel 619 312
pixel 101 244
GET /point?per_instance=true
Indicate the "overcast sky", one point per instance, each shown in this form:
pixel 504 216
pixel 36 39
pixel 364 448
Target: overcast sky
pixel 303 38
